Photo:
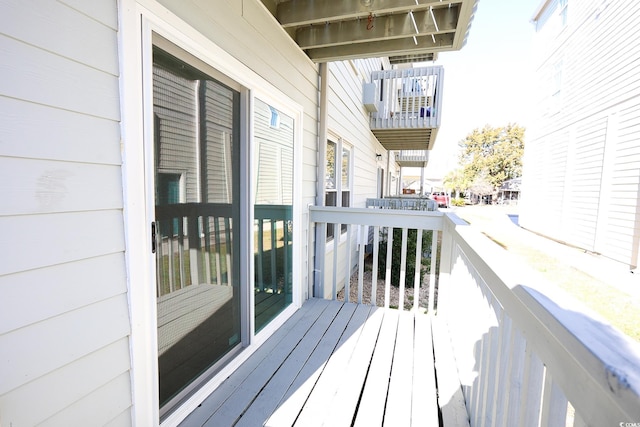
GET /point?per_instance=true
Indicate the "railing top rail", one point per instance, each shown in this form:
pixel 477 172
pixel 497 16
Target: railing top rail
pixel 597 366
pixel 426 220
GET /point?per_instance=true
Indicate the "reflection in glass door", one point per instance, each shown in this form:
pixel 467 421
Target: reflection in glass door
pixel 273 203
pixel 196 144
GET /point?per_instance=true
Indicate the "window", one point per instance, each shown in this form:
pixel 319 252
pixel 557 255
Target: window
pixel 337 190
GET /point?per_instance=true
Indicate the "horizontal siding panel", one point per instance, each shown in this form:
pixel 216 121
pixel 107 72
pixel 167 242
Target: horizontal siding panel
pixel 56 28
pixel 45 78
pixel 34 241
pixel 103 11
pixel 38 400
pixel 121 420
pixel 37 131
pixel 41 186
pixel 31 352
pixel 92 410
pixel 56 290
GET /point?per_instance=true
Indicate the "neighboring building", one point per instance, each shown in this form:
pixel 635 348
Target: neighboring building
pixel 158 160
pixel 509 191
pixel 581 180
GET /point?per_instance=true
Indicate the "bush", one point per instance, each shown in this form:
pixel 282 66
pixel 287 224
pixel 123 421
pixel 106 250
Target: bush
pixel 458 201
pixel 396 255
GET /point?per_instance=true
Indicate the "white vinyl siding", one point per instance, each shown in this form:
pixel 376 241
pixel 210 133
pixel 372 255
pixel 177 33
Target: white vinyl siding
pixel 582 159
pixel 64 316
pixel 349 120
pixel 274 183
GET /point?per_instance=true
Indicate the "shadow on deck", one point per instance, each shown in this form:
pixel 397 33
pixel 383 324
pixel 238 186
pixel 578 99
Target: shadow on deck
pixel 335 364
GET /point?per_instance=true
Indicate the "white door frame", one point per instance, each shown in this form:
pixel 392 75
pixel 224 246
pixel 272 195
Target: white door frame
pixel 139 19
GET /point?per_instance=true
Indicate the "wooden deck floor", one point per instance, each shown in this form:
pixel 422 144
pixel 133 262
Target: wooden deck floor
pixel 332 364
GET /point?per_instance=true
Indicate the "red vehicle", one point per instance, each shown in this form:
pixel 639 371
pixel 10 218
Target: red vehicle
pixel 441 198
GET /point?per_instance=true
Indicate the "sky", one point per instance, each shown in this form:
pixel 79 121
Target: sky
pixel 489 81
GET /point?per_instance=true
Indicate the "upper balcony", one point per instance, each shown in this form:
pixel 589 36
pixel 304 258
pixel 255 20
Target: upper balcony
pixel 412 158
pixel 404 30
pixel 406 107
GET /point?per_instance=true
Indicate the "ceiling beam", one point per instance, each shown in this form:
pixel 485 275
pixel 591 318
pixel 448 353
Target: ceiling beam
pixel 381 28
pixel 404 46
pixel 295 13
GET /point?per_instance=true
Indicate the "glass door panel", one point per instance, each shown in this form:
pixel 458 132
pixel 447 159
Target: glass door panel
pixel 273 203
pixel 196 144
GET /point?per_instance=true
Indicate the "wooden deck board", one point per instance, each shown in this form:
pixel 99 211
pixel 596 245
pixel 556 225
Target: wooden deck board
pixel 333 364
pixel 374 394
pixel 398 411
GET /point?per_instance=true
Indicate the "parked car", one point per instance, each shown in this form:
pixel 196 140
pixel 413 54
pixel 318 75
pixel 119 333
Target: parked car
pixel 441 198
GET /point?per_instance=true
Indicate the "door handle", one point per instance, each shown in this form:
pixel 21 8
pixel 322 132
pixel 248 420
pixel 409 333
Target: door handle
pixel 153 237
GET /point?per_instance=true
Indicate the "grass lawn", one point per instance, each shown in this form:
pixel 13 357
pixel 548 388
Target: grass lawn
pixel 618 307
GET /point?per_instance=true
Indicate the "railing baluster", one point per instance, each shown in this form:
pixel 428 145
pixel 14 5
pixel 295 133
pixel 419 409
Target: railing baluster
pixel 403 268
pixel 272 252
pixel 502 374
pixel 193 239
pixel 516 368
pixel 531 389
pixel 229 244
pixel 206 247
pixel 181 249
pixel 259 261
pixel 216 229
pixel 417 274
pixel 387 277
pixel 374 271
pixel 172 267
pixel 362 233
pixel 347 267
pixel 336 238
pixel 554 403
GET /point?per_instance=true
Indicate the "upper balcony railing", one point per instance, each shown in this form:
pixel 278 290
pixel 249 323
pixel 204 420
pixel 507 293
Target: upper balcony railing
pixel 412 158
pixel 408 103
pixel 403 202
pixel 525 355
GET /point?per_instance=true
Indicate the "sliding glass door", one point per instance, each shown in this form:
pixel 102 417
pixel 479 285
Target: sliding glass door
pixel 273 219
pixel 197 211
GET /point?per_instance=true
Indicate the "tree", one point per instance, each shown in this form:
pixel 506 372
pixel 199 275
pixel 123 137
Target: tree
pixel 492 155
pixel 456 181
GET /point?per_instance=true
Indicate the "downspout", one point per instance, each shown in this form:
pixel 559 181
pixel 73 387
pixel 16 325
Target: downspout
pixel 389 175
pixel 320 241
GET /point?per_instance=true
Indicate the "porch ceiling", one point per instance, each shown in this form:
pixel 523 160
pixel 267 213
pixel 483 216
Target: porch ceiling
pixel 403 30
pixel 406 139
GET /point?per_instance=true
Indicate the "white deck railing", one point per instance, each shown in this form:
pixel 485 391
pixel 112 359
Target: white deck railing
pixel 526 355
pixel 407 98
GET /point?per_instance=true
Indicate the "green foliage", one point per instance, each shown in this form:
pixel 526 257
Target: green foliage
pixel 488 157
pixel 458 201
pixel 396 255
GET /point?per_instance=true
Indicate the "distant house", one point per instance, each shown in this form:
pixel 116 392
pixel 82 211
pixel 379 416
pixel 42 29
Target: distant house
pixel 581 174
pixel 509 191
pixel 159 158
